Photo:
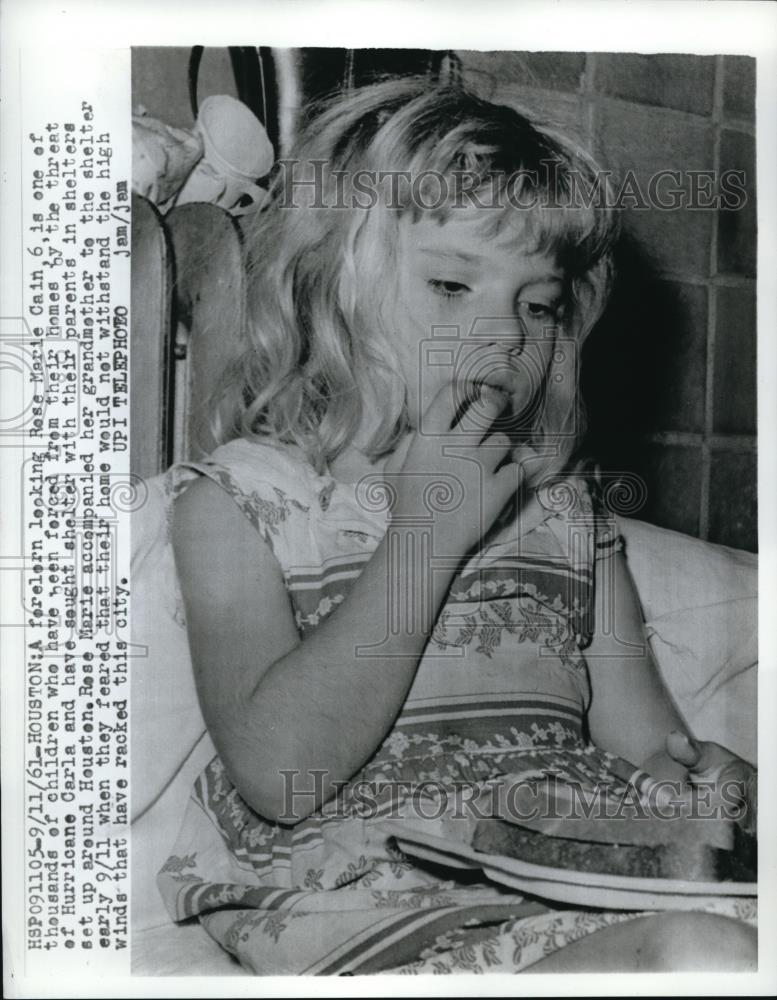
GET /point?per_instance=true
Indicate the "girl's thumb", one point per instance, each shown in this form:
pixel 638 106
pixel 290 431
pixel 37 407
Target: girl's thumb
pixel 682 748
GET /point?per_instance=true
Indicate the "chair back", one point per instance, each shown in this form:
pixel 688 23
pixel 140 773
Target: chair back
pixel 188 323
pixel 150 340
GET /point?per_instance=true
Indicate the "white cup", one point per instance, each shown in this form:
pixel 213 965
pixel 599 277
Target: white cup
pixel 236 153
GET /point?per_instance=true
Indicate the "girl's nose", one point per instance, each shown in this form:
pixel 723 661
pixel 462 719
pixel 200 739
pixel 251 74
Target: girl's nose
pixel 508 332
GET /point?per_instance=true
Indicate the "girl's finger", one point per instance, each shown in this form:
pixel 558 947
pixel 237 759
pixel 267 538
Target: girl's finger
pixel 478 417
pixel 508 480
pixel 523 453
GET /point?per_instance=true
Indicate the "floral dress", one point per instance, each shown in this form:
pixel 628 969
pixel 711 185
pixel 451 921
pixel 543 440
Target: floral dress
pixel 502 686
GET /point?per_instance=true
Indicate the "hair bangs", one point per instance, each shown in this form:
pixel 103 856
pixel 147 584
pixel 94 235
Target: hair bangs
pixel 549 191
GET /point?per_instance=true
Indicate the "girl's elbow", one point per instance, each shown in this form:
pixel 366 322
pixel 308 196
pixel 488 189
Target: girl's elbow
pixel 277 795
pixel 273 775
pixel 287 806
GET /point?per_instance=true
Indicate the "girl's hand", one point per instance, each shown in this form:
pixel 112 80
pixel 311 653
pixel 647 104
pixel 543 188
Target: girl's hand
pixel 731 780
pixel 455 470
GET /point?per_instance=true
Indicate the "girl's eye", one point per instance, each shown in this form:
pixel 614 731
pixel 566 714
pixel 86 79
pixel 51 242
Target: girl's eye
pixel 448 289
pixel 539 310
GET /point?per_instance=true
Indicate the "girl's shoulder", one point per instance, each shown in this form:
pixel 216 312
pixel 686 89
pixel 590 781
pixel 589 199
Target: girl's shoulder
pixel 269 484
pixel 302 514
pixel 244 467
pixel 262 465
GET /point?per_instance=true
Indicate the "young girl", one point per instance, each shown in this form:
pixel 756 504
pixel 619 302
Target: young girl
pixel 394 583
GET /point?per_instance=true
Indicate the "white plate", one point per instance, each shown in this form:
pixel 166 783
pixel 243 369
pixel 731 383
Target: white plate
pixel 579 888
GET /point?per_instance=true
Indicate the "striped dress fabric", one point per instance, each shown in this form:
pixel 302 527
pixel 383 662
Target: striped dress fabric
pixel 502 688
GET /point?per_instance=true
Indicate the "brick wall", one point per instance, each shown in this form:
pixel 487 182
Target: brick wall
pixel 669 375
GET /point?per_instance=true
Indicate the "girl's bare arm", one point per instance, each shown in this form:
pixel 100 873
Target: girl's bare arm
pixel 273 703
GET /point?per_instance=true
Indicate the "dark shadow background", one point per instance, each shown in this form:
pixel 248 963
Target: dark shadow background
pixel 669 375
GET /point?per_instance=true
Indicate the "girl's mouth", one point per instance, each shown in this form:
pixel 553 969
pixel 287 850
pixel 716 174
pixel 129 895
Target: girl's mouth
pixel 499 385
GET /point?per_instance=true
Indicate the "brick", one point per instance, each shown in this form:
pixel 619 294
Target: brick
pixel 675 355
pixel 684 82
pixel 739 87
pixel 647 141
pixel 733 514
pixel 559 110
pixel 544 70
pixel 647 365
pixel 671 475
pixel 735 362
pixel 737 229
